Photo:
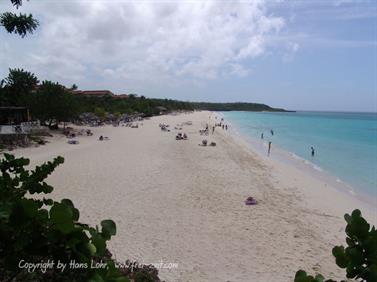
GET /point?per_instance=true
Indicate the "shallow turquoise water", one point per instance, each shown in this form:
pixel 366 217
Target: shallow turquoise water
pixel 345 143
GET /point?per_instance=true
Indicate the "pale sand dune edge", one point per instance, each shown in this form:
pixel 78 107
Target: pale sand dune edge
pixel 175 201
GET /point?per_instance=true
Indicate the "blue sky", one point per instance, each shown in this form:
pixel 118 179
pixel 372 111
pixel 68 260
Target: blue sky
pixel 299 55
pixel 335 66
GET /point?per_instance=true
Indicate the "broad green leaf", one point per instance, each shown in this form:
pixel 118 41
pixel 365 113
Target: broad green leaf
pixel 348 218
pixel 75 212
pixel 356 213
pixel 61 215
pixel 99 243
pixel 30 207
pixel 356 255
pixel 108 228
pixel 338 250
pixel 91 248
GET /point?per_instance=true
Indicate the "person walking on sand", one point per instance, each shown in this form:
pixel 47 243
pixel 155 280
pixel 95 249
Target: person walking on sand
pixel 269 147
pixel 311 148
pixel 213 130
pixel 226 127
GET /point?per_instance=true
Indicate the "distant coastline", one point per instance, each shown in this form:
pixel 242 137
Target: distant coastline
pixel 236 106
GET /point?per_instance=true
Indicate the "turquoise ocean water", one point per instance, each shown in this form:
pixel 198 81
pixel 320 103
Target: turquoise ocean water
pixel 345 143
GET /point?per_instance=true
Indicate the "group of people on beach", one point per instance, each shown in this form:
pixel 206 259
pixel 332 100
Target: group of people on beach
pixel 164 127
pixel 72 134
pixel 221 124
pixel 270 143
pixel 181 136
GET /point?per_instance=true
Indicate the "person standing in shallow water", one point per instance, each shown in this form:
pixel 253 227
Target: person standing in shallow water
pixel 261 136
pixel 313 152
pixel 269 147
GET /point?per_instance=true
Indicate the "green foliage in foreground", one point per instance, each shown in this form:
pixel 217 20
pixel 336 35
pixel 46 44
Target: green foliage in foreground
pixel 38 230
pixel 359 258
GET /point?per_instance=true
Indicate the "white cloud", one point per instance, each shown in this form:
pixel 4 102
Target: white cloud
pixel 239 70
pixel 291 49
pixel 132 44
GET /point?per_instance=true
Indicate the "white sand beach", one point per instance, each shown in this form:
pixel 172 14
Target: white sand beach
pixel 177 202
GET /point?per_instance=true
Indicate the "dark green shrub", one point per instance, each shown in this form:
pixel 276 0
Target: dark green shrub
pixel 301 276
pixel 359 258
pixel 39 230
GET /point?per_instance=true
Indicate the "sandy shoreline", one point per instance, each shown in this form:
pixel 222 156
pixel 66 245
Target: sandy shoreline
pixel 175 201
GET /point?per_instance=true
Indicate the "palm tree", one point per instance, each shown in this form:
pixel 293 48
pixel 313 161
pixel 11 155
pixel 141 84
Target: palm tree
pixel 21 24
